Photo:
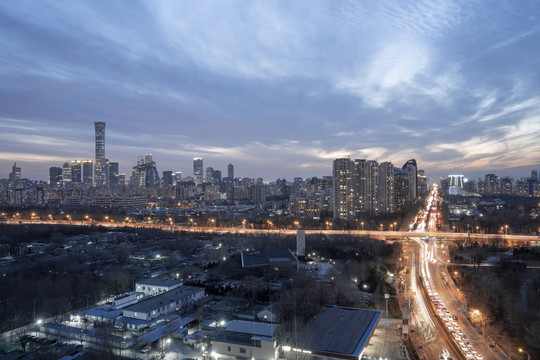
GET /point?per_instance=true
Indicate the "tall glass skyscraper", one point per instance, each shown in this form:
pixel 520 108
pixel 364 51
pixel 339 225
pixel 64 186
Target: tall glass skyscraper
pixel 100 171
pixel 198 170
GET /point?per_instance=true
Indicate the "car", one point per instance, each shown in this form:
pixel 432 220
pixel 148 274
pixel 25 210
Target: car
pixel 478 357
pixel 455 317
pixel 445 352
pixel 465 337
pixel 469 345
pixel 145 349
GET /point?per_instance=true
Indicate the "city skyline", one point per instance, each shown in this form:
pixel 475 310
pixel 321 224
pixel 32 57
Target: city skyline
pixel 278 91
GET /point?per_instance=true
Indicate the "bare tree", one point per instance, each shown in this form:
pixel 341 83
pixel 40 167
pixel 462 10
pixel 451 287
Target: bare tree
pixel 426 334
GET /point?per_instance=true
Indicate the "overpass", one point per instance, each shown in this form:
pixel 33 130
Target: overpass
pixel 489 239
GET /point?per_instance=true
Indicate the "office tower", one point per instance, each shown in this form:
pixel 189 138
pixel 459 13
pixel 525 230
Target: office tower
pixel 492 184
pixel 15 177
pixel 411 169
pixel 217 177
pixel 66 173
pixel 121 179
pixel 507 186
pixel 198 170
pixel 88 172
pixel 145 173
pixel 230 171
pixel 210 174
pixel 100 170
pixel 55 175
pixel 76 171
pixel 534 174
pixel 386 200
pixel 177 176
pixel 455 180
pixel 167 178
pixel 113 173
pixel 344 194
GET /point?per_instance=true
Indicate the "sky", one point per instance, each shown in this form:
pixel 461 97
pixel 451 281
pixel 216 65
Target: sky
pixel 277 88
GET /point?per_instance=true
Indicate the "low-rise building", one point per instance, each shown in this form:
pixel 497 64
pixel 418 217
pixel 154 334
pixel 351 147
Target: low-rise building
pixel 336 334
pixel 154 286
pixel 164 303
pixel 277 262
pixel 246 340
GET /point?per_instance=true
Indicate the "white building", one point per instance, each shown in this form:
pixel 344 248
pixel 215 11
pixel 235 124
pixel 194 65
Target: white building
pixel 164 303
pixel 246 340
pixel 154 286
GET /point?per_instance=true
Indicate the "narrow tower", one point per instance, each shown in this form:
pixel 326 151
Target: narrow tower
pixel 100 178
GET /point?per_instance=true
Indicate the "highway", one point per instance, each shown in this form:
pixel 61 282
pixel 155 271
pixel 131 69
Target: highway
pixel 512 239
pixel 440 302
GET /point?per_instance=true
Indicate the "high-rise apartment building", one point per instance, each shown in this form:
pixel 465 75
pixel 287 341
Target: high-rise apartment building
pixel 422 183
pixel 362 186
pixel 402 185
pixel 412 171
pixel 344 190
pixel 386 196
pixel 507 185
pixel 198 170
pixel 492 184
pixel 100 171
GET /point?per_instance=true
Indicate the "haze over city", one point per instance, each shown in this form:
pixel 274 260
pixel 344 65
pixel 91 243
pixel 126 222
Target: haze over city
pixel 278 88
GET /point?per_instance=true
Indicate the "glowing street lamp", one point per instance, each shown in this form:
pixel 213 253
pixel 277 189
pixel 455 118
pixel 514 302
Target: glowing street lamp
pixel 506 229
pixel 362 223
pixel 523 351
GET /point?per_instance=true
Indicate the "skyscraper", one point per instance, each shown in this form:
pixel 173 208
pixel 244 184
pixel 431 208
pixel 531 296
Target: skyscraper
pixel 386 194
pixel 55 175
pixel 88 172
pixel 230 171
pixel 100 171
pixel 14 176
pixel 492 184
pixel 76 171
pixel 198 170
pixel 344 195
pixel 412 172
pixel 113 173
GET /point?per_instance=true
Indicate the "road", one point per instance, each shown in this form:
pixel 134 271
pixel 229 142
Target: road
pixel 430 262
pixel 512 239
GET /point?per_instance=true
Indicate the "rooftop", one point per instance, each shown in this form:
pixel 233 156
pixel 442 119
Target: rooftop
pixel 265 258
pixel 159 282
pixel 251 327
pixel 339 330
pixel 166 298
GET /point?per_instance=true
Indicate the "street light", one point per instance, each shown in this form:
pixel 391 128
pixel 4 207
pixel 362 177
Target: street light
pixel 506 229
pixel 523 351
pixel 362 223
